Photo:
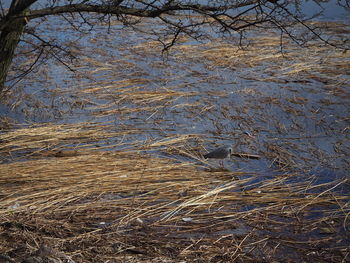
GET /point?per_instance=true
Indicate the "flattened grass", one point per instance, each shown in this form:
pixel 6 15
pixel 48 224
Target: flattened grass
pixel 108 195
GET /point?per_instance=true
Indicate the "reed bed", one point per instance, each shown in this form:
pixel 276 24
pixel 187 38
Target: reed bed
pixel 129 205
pixel 275 63
pixel 53 139
pixel 141 101
pixel 129 96
pixel 134 190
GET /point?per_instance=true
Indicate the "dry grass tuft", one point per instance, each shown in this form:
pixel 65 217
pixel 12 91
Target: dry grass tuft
pixel 51 138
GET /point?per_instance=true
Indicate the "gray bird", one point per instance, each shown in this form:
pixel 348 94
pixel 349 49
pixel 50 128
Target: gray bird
pixel 219 153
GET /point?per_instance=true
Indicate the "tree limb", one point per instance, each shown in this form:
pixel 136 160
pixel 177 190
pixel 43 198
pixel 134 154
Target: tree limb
pixel 139 12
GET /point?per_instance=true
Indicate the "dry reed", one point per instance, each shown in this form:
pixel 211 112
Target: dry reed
pixel 108 195
pixel 80 193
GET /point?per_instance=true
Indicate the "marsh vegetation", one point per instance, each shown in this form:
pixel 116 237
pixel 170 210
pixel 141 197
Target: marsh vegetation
pixel 104 163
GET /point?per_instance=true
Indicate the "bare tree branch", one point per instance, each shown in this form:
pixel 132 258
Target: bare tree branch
pixel 140 12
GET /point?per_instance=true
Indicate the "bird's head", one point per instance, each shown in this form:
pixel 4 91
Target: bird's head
pixel 230 151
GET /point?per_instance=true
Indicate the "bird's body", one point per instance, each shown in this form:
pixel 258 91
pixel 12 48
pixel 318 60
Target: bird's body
pixel 219 153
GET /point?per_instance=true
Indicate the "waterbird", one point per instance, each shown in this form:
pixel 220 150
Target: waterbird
pixel 219 153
